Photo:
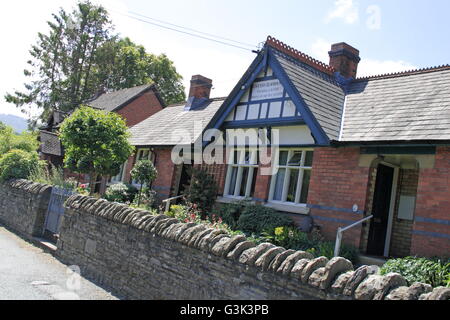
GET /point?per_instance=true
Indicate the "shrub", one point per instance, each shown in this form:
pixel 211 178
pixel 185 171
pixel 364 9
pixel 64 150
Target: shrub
pixel 432 271
pixel 179 212
pixel 121 192
pixel 18 164
pixel 258 218
pixel 147 200
pixel 230 213
pixel 202 191
pixel 54 176
pixel 289 238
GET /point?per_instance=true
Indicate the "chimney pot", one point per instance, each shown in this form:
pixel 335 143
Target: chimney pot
pixel 344 58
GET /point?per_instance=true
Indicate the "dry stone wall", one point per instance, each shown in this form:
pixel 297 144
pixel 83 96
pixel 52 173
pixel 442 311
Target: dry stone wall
pixel 141 256
pixel 23 205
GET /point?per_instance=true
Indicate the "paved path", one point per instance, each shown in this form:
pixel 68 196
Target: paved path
pixel 28 273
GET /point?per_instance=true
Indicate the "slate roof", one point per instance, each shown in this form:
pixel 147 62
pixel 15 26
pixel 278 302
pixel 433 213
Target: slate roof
pixel 403 107
pixel 321 93
pixel 50 143
pixel 174 125
pixel 114 100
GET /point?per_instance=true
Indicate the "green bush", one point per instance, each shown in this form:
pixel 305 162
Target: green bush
pixel 432 271
pixel 121 192
pixel 230 213
pixel 202 191
pixel 18 164
pixel 256 218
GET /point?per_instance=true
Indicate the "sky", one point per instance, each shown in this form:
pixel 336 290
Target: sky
pixel 392 35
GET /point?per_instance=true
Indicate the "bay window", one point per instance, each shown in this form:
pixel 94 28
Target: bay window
pixel 290 183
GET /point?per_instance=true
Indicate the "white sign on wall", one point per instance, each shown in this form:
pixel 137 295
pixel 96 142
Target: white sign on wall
pixel 270 89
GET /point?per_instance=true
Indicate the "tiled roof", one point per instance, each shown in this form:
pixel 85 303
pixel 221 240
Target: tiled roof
pixel 300 56
pixel 413 105
pixel 50 143
pixel 114 100
pixel 320 92
pixel 174 125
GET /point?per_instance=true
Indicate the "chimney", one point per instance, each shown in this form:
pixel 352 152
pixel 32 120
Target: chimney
pixel 200 87
pixel 198 93
pixel 344 58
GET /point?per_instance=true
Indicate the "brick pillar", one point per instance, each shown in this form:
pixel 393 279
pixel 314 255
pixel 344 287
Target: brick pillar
pixel 431 228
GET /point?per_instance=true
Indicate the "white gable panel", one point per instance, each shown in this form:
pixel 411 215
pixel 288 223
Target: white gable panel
pixel 241 112
pixel 294 135
pixel 275 109
pixel 289 109
pixel 253 112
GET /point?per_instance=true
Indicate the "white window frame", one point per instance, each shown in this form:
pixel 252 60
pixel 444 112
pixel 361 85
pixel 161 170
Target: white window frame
pixel 302 168
pixel 240 165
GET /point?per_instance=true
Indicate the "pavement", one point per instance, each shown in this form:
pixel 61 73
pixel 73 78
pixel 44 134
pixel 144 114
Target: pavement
pixel 29 273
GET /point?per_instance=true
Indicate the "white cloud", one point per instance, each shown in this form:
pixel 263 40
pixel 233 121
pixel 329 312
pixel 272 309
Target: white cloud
pixel 371 67
pixel 346 10
pixel 319 50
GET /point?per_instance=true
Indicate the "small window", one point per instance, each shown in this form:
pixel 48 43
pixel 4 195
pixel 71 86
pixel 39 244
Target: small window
pixel 241 174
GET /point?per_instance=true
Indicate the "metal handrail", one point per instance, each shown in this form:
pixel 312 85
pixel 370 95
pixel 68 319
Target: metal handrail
pixel 167 201
pixel 337 246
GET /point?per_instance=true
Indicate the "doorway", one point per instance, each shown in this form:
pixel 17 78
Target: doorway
pixel 382 210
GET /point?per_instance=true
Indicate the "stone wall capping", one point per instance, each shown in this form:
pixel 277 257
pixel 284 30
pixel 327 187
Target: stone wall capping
pixel 409 293
pixel 288 264
pixel 265 259
pixel 187 234
pixel 357 277
pixel 439 293
pixel 298 267
pixel 183 229
pixel 205 241
pixel 195 240
pixel 250 256
pixel 312 265
pixel 240 247
pixel 279 259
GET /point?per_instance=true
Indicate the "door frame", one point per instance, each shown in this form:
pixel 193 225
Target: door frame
pixel 392 201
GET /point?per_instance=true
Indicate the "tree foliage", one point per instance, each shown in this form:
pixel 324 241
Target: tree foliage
pixel 9 140
pixel 18 164
pixel 144 172
pixel 80 55
pixel 95 142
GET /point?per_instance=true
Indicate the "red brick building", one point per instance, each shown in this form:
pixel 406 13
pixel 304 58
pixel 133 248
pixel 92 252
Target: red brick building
pixel 343 148
pixel 133 104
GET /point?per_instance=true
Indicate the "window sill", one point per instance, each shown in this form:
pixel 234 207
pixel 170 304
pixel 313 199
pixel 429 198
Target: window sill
pixel 291 208
pixel 227 199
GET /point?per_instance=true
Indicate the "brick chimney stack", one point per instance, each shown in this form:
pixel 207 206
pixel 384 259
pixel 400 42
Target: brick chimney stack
pixel 344 58
pixel 200 87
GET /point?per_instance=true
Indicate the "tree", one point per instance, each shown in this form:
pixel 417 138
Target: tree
pixel 80 55
pixel 144 172
pixel 125 64
pixel 95 142
pixel 62 60
pixel 9 140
